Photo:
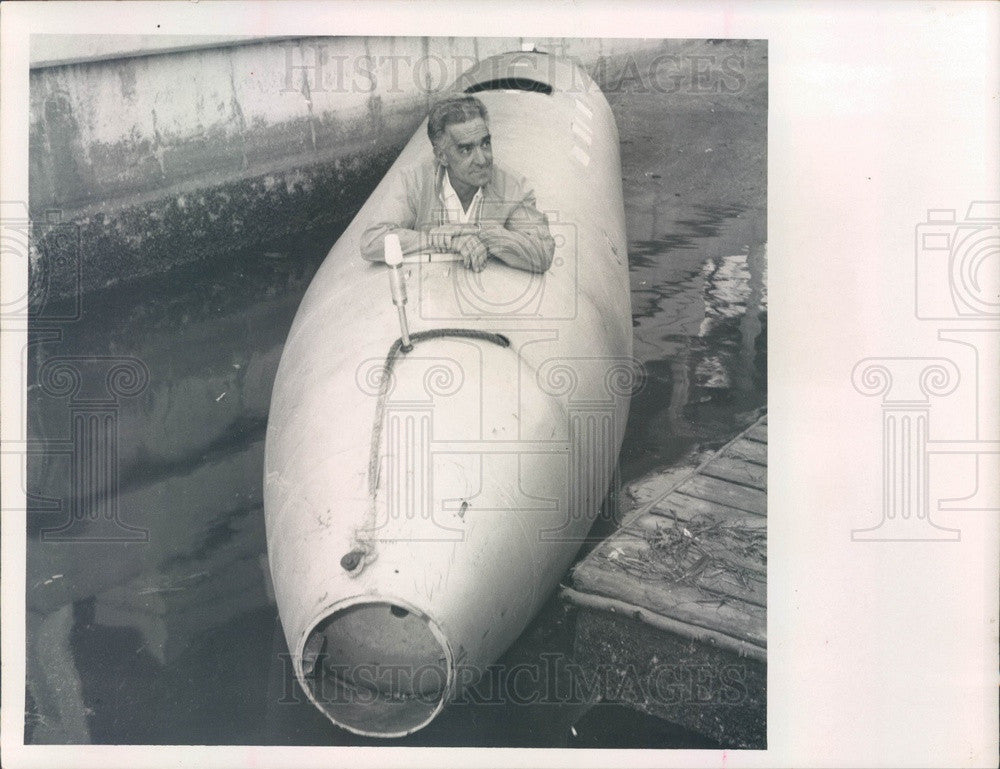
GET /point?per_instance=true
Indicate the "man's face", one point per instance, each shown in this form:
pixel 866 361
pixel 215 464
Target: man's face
pixel 466 152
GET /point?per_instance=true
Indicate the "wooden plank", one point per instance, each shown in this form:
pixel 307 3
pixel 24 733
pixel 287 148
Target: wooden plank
pixel 731 544
pixel 726 493
pixel 738 471
pixel 685 508
pixel 751 451
pixel 757 433
pixel 739 619
pixel 716 572
pixel 658 485
pixel 672 478
pixel 703 637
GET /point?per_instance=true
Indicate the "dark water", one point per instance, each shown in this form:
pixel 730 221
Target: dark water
pixel 182 645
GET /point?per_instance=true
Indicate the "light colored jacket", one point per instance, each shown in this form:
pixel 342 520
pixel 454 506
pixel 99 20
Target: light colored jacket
pixel 511 226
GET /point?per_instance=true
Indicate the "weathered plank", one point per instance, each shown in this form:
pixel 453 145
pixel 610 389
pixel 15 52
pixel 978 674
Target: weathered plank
pixel 687 632
pixel 711 568
pixel 726 493
pixel 738 544
pixel 736 618
pixel 757 433
pixel 685 508
pixel 738 471
pixel 751 451
pixel 657 486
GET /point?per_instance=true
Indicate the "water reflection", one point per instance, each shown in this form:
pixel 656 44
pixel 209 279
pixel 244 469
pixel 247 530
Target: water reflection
pixel 700 330
pixel 190 457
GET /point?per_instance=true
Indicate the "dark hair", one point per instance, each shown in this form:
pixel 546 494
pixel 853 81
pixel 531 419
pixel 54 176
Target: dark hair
pixel 451 110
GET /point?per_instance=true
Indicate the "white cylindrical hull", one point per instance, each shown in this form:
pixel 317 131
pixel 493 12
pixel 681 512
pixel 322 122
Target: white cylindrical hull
pixel 401 571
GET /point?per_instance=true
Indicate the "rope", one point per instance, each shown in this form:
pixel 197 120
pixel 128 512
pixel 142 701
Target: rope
pixel 362 552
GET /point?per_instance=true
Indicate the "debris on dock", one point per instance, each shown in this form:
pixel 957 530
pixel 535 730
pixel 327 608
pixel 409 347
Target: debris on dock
pixel 678 595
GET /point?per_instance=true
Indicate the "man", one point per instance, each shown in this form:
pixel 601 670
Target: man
pixel 459 201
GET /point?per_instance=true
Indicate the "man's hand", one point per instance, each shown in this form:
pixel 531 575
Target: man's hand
pixel 442 237
pixel 473 251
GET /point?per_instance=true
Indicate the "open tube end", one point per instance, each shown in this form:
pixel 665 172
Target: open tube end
pixel 379 668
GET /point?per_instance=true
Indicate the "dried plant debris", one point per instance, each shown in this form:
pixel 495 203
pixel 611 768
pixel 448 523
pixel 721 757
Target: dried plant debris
pixel 695 552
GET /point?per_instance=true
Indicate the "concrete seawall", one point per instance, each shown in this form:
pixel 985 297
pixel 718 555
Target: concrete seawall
pixel 140 162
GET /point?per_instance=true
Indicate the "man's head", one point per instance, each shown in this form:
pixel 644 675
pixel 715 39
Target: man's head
pixel 458 130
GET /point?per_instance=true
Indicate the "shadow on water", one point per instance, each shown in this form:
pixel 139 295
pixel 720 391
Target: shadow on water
pixel 705 223
pixel 177 640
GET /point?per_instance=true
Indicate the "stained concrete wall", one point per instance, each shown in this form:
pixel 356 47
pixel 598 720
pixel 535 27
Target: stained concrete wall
pixel 150 161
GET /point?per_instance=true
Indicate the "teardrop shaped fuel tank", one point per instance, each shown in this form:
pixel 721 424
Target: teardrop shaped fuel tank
pixel 422 505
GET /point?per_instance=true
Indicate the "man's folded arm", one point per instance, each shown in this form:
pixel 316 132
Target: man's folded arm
pixel 395 213
pixel 373 240
pixel 524 241
pixel 437 239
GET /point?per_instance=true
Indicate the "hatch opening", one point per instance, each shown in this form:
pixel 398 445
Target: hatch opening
pixel 511 84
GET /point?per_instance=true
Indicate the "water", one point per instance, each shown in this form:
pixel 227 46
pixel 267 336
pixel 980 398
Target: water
pixel 178 642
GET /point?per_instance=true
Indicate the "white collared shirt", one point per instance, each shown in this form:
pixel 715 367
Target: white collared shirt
pixel 453 206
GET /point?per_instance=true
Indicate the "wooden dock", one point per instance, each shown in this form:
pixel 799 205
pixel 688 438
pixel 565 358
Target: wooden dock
pixel 673 606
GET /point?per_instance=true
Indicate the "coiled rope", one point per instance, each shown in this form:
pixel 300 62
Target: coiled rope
pixel 362 551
